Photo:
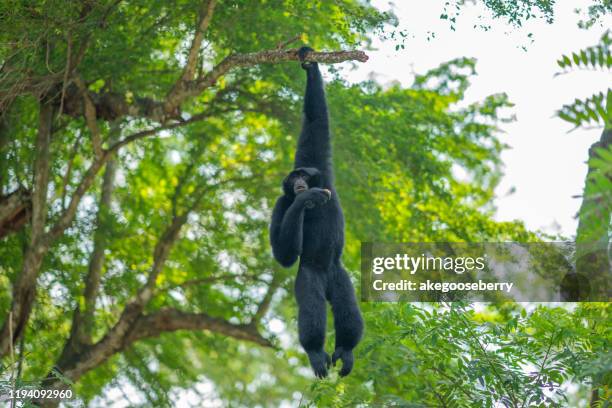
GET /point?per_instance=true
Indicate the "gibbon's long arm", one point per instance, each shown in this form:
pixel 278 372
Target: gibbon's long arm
pixel 314 145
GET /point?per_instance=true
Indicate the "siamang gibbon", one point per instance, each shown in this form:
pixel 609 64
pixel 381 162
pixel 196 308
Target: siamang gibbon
pixel 307 222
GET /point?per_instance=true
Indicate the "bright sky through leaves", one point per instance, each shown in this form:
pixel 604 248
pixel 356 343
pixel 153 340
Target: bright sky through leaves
pixel 545 164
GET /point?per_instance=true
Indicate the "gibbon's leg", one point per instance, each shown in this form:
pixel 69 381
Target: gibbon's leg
pixel 312 317
pixel 347 318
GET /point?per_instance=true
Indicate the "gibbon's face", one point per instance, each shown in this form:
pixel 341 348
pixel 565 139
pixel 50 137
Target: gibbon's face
pixel 300 180
pixel 300 184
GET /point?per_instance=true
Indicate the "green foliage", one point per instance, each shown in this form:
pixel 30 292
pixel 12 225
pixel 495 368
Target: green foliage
pixel 451 355
pixel 594 216
pixel 597 203
pixel 602 174
pixel 597 56
pixel 412 164
pixel 595 12
pixel 514 12
pixel 597 108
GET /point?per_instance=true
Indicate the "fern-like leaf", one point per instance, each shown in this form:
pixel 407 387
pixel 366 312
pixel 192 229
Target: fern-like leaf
pixel 596 109
pixel 597 56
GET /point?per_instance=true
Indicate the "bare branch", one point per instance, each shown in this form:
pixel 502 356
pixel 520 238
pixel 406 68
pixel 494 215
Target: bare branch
pixel 74 366
pixel 255 58
pixel 206 14
pixel 114 105
pixel 188 74
pixel 168 320
pixel 83 319
pixel 264 305
pixel 24 289
pixel 68 173
pixel 41 171
pixel 67 71
pixel 68 215
pixel 150 132
pixel 90 118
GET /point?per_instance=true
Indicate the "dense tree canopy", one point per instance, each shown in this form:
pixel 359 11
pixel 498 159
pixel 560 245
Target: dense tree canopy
pixel 142 144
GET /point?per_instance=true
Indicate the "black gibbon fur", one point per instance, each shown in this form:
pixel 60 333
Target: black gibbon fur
pixel 307 222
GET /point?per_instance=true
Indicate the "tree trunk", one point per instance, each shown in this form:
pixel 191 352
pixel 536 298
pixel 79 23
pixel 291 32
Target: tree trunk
pixel 592 235
pixel 592 238
pixel 24 289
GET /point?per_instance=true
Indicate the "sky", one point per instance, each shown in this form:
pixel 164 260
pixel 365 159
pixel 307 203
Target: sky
pixel 545 164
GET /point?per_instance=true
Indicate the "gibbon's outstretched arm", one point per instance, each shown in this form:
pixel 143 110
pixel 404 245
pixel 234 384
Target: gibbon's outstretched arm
pixel 314 146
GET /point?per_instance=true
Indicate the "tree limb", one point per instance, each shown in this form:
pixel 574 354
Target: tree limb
pixel 15 211
pixel 90 117
pixel 24 289
pixel 83 319
pixel 69 213
pixel 147 326
pixel 113 105
pixel 255 58
pixel 150 132
pixel 41 171
pixel 189 70
pixel 593 232
pixel 168 320
pixel 264 305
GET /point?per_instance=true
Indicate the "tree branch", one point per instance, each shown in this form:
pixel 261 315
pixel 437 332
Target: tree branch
pixel 83 320
pixel 255 58
pixel 169 320
pixel 68 215
pixel 283 44
pixel 68 173
pixel 114 105
pixel 166 320
pixel 173 99
pixel 150 132
pixel 90 117
pixel 15 211
pixel 24 289
pixel 206 13
pixel 264 305
pixel 41 172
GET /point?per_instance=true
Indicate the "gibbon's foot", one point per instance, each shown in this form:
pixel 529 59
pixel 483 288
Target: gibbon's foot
pixel 347 360
pixel 302 52
pixel 320 362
